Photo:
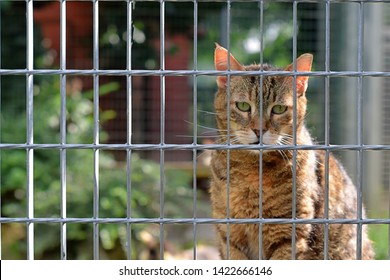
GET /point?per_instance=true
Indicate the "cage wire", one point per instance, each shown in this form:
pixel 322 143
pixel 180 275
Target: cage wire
pixel 163 146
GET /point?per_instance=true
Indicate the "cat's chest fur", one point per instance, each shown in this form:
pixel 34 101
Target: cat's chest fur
pixel 245 178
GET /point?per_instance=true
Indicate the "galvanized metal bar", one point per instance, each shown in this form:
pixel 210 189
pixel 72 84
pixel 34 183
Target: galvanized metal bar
pixel 195 129
pixel 261 112
pixel 190 221
pixel 129 129
pixel 162 124
pixel 228 28
pixel 294 153
pixel 168 73
pixel 63 211
pixel 360 131
pixel 30 127
pixel 327 127
pixel 96 129
pixel 158 147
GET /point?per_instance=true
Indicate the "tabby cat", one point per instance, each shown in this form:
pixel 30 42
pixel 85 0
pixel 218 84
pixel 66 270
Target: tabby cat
pixel 276 127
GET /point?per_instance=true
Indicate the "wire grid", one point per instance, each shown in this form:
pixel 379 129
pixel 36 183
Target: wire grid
pixel 162 147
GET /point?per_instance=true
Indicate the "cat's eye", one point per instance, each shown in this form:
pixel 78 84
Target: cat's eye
pixel 279 109
pixel 243 106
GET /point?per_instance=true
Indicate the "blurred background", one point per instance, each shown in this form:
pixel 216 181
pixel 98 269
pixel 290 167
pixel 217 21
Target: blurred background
pixel 245 44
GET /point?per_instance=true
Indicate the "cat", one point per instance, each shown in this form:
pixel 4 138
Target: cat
pixel 276 127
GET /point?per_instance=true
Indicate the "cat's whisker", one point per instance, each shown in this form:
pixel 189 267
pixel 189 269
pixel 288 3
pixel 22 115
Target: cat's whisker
pixel 283 153
pixel 206 112
pixel 301 155
pixel 284 142
pixel 198 136
pixel 226 142
pixel 201 154
pixel 234 139
pixel 288 138
pixel 284 156
pixel 204 127
pixel 287 135
pixel 208 133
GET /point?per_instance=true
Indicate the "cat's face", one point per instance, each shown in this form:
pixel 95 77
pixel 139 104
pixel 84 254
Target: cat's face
pixel 275 125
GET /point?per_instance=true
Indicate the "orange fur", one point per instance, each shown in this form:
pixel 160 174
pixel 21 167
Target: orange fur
pixel 277 174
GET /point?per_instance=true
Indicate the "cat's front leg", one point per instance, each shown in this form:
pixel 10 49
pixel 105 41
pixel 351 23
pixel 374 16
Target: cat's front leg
pixel 284 250
pixel 277 242
pixel 234 252
pixel 238 246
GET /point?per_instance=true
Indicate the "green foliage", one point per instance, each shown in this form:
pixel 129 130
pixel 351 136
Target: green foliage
pixel 379 235
pixel 13 51
pixel 245 33
pixel 145 177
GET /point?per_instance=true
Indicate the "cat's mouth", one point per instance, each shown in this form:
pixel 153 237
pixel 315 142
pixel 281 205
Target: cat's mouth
pixel 268 138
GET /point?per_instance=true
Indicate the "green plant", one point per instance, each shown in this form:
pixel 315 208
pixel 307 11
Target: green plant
pixel 145 179
pixel 379 234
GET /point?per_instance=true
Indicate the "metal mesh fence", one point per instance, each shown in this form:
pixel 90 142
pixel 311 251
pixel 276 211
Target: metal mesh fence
pixel 163 144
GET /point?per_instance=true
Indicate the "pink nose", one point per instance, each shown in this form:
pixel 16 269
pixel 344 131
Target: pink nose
pixel 257 132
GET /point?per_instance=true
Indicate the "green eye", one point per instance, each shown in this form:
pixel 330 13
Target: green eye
pixel 279 109
pixel 243 106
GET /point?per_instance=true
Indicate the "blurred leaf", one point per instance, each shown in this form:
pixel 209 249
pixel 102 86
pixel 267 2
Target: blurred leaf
pixel 103 90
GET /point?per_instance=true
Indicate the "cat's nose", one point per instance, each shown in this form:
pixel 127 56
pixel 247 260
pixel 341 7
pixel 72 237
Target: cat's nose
pixel 257 132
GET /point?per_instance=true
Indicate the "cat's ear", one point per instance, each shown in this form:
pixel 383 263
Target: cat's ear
pixel 221 63
pixel 304 63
